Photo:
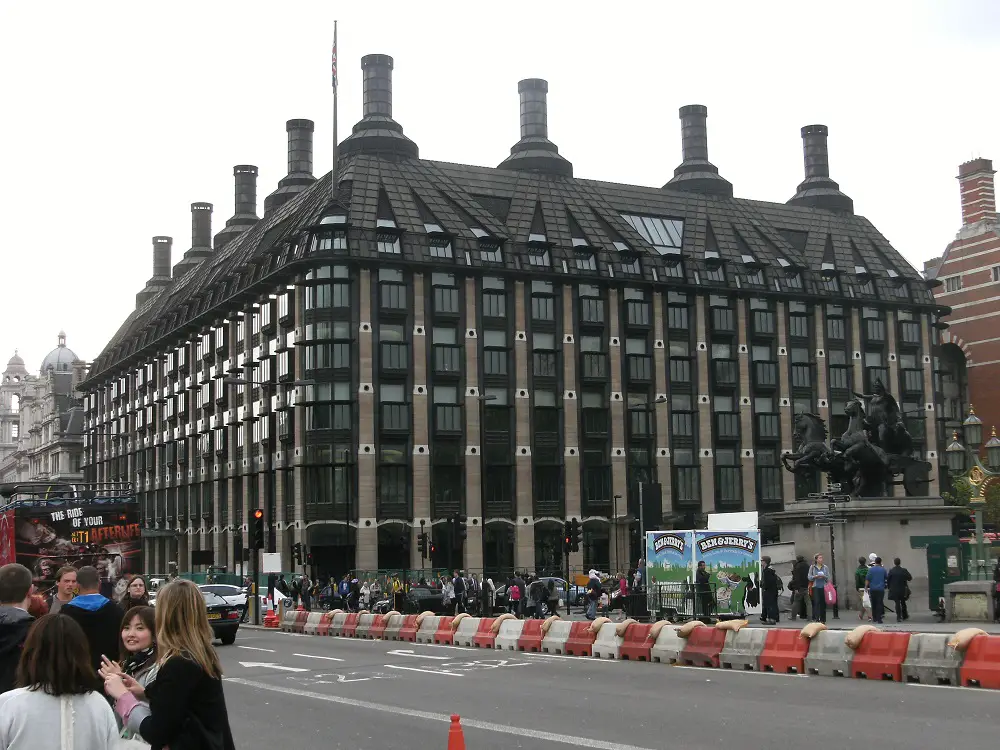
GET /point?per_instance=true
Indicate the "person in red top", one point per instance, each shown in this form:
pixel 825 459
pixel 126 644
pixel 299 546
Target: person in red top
pixel 623 593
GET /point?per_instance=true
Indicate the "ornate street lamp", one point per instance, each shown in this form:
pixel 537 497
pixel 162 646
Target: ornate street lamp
pixel 993 451
pixel 955 455
pixel 973 429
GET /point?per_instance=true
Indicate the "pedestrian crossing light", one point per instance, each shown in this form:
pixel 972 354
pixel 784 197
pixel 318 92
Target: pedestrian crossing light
pixel 257 529
pixel 461 531
pixel 422 544
pixel 297 553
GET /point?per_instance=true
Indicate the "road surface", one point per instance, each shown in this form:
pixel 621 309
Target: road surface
pixel 301 692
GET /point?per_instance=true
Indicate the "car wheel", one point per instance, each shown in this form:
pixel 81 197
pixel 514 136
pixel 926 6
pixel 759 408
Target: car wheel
pixel 228 639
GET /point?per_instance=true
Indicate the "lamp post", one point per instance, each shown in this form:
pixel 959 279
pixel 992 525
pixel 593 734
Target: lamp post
pixel 964 461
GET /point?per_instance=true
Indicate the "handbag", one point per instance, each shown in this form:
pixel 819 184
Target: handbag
pixel 830 594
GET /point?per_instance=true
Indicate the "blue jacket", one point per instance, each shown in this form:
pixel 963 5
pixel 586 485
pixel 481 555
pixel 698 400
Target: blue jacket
pixel 876 578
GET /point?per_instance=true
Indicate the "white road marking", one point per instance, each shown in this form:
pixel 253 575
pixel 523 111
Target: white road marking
pixel 968 691
pixel 272 666
pixel 296 635
pixel 407 652
pixel 313 656
pixel 254 648
pixel 489 726
pixel 425 671
pixel 588 660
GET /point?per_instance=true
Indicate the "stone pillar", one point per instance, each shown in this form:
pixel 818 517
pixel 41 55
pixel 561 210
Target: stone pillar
pixel 619 463
pixel 894 382
pixel 748 463
pixel 218 547
pixel 367 548
pixel 524 553
pixel 930 410
pixel 422 403
pixel 573 497
pixel 705 443
pixel 661 413
pixel 822 405
pixel 858 354
pixel 474 559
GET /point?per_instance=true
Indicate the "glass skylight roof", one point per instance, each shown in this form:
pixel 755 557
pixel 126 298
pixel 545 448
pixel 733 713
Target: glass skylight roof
pixel 665 235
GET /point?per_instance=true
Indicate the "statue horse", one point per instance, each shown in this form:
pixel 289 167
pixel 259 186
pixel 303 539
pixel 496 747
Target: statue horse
pixel 885 420
pixel 865 463
pixel 809 439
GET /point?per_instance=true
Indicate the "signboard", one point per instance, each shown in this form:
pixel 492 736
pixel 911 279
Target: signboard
pixel 731 557
pixel 271 562
pixel 44 538
pixel 668 556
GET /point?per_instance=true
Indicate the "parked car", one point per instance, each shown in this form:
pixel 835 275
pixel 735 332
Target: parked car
pixel 559 593
pixel 223 617
pixel 425 599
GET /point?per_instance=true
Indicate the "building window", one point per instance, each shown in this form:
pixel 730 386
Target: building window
pixel 15 430
pixel 665 235
pixel 542 301
pixel 996 273
pixel 441 248
pixel 769 477
pixel 489 252
pixel 494 352
pixel 687 479
pixel 544 358
pixel 728 482
pixel 393 481
pixel 585 260
pixel 494 298
pixel 388 242
pixel 445 293
pixel 954 283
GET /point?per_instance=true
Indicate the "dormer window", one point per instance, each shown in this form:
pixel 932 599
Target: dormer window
pixel 784 263
pixel 539 258
pixel 490 252
pixel 334 219
pixel 433 229
pixel 793 279
pixel 478 233
pixel 385 224
pixel 388 242
pixel 441 248
pixel 749 261
pixel 537 239
pixel 629 259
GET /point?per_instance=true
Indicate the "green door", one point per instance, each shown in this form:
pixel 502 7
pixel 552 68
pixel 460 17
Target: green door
pixel 944 565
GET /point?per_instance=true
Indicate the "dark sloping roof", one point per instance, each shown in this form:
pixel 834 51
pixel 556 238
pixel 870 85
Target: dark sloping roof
pixel 505 205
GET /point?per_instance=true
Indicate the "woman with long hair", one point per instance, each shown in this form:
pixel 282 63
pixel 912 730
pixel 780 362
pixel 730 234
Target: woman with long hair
pixel 186 704
pixel 56 688
pixel 137 656
pixel 136 594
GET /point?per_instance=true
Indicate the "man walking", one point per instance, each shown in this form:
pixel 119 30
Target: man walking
pixel 459 583
pixel 799 586
pixel 15 593
pixel 875 586
pixel 100 618
pixel 770 586
pixel 65 589
pixel 703 589
pixel 593 594
pixel 896 581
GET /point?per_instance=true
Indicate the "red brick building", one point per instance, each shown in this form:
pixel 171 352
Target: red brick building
pixel 969 283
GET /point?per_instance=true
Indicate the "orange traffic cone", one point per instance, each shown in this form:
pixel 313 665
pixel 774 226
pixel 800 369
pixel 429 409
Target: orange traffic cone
pixel 271 618
pixel 456 738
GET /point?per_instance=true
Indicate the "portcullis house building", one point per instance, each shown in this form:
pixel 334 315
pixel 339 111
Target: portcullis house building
pixel 513 344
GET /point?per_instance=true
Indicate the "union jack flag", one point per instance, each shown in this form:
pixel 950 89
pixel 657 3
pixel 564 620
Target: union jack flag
pixel 334 65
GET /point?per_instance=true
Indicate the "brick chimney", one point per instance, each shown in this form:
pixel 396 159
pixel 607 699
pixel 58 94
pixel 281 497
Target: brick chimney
pixel 979 202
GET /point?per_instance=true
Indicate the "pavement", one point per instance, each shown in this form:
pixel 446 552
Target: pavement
pixel 301 692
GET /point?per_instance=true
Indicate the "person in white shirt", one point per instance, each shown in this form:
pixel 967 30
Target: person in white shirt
pixel 59 703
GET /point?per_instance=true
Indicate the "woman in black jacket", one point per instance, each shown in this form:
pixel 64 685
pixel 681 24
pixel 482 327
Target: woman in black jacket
pixel 187 707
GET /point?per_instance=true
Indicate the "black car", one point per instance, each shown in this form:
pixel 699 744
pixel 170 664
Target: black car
pixel 222 616
pixel 425 599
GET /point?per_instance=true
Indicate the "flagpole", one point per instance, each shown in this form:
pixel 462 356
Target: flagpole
pixel 334 181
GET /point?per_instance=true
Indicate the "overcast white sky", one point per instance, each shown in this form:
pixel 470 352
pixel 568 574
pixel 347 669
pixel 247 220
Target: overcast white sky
pixel 118 115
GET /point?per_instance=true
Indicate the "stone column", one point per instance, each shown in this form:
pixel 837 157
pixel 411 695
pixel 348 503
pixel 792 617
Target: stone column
pixel 571 420
pixel 706 452
pixel 367 549
pixel 524 553
pixel 894 381
pixel 661 412
pixel 619 460
pixel 748 463
pixel 930 410
pixel 474 559
pixel 421 421
pixel 822 405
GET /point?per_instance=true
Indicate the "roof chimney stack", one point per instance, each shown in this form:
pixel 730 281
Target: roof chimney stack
pixel 377 134
pixel 300 165
pixel 246 205
pixel 535 152
pixel 817 190
pixel 696 174
pixel 979 202
pixel 201 239
pixel 161 270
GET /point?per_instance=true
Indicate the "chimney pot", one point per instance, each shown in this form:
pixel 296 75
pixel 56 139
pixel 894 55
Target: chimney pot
pixel 376 133
pixel 300 146
pixel 817 190
pixel 696 174
pixel 377 85
pixel 246 189
pixel 161 257
pixel 201 226
pixel 535 152
pixel 978 192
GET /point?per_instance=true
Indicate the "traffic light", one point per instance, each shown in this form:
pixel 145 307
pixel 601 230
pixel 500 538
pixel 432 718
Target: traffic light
pixel 309 558
pixel 422 544
pixel 461 531
pixel 575 535
pixel 567 537
pixel 257 529
pixel 972 516
pixel 433 549
pixel 404 542
pixel 297 553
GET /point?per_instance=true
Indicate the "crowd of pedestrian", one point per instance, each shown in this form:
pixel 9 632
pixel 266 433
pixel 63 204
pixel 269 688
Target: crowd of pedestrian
pixel 83 673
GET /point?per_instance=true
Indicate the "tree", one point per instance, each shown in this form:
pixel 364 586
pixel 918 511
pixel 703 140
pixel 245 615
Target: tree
pixel 962 495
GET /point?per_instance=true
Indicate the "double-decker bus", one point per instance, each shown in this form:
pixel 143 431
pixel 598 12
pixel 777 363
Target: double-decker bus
pixel 46 525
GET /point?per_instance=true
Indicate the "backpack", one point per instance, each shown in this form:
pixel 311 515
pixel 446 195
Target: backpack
pixel 514 592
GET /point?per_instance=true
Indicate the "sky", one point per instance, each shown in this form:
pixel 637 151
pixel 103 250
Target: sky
pixel 118 115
